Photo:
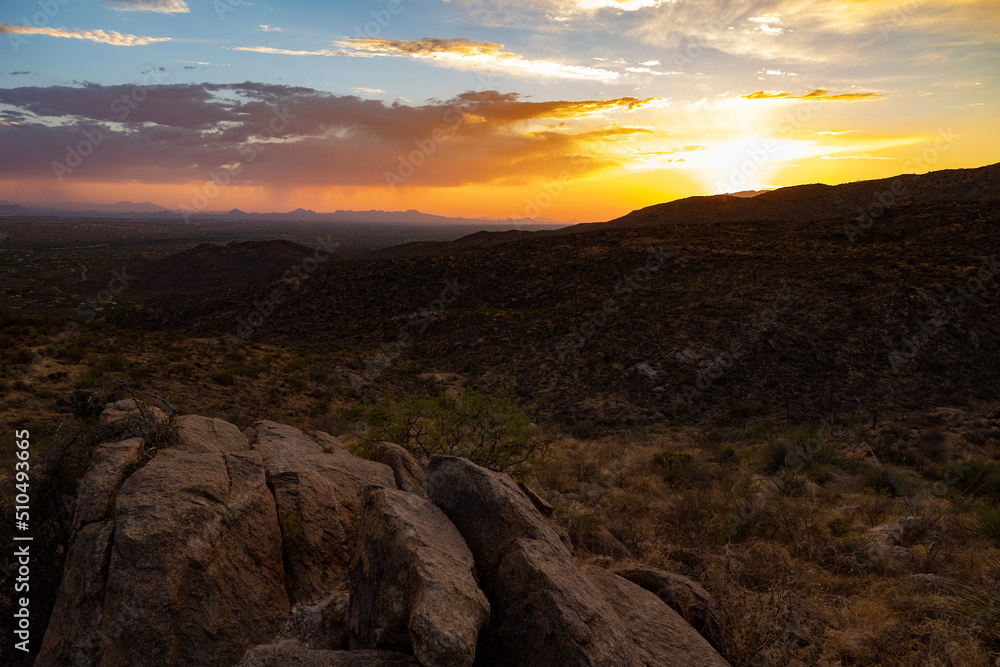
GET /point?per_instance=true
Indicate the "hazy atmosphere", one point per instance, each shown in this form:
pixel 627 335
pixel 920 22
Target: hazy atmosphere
pixel 473 108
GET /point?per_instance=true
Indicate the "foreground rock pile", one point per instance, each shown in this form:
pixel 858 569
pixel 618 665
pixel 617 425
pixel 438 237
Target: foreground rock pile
pixel 273 547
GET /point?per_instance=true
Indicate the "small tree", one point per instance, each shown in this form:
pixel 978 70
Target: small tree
pixel 490 430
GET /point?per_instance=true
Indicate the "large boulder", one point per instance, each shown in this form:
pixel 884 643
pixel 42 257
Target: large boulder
pixel 545 609
pixel 320 625
pixel 127 412
pixel 685 596
pixel 660 635
pixel 202 435
pixel 489 510
pixel 109 466
pixel 196 575
pixel 74 635
pixel 407 472
pixel 317 488
pixel 291 654
pixel 413 586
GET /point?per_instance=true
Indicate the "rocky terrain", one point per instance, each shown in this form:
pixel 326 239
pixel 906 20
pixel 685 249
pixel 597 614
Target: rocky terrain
pixel 783 426
pixel 273 546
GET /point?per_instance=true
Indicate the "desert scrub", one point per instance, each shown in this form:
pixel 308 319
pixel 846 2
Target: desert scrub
pixel 882 479
pixel 973 477
pixel 490 430
pixel 799 451
pixel 987 522
pixel 577 518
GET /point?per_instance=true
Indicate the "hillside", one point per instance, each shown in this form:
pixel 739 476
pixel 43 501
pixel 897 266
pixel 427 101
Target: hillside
pixel 680 320
pixel 787 432
pixel 211 266
pixel 813 203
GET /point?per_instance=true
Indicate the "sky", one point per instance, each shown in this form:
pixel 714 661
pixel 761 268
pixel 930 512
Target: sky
pixel 545 109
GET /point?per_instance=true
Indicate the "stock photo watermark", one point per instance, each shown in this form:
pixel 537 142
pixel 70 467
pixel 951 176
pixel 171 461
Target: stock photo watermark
pixel 263 309
pixel 624 291
pixel 899 188
pixel 750 333
pixel 122 107
pixel 47 10
pixel 956 296
pixel 416 324
pixel 223 177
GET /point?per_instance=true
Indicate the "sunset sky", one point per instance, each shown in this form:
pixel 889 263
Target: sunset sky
pixel 563 109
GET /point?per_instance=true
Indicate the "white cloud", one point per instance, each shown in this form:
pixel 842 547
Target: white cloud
pixel 158 6
pixel 621 5
pixel 287 52
pixel 101 36
pixel 764 24
pixel 457 53
pixel 268 28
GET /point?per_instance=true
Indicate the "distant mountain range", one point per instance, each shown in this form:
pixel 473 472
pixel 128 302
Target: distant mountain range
pixel 127 209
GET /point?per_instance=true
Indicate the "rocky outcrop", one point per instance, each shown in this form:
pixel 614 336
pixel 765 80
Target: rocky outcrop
pixel 277 547
pixel 202 435
pixel 685 596
pixel 321 625
pixel 121 413
pixel 661 637
pixel 74 637
pixel 318 495
pixel 109 467
pixel 405 469
pixel 546 609
pixel 196 571
pixel 413 587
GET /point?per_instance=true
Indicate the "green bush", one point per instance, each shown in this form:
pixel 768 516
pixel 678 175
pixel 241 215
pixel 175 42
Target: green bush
pixel 490 430
pixel 114 363
pixel 775 454
pixel 799 451
pixel 975 477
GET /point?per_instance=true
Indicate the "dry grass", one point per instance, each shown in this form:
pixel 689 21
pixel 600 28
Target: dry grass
pixel 813 563
pixel 848 553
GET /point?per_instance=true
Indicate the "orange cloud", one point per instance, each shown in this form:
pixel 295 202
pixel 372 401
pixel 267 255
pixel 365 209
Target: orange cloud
pixel 256 134
pixel 818 95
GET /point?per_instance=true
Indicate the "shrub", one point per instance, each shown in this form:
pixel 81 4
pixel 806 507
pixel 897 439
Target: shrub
pixel 489 430
pixel 886 480
pixel 726 453
pixel 988 522
pixel 774 456
pixel 789 483
pixel 981 604
pixel 114 363
pixel 978 478
pixel 673 466
pixel 800 451
pixel 225 377
pixel 578 519
pixel 291 525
